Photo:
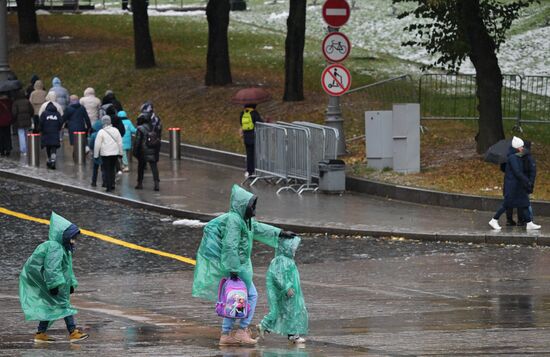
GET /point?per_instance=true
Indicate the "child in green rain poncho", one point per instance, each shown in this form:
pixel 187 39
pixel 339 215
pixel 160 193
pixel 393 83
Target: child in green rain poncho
pixel 287 309
pixel 47 280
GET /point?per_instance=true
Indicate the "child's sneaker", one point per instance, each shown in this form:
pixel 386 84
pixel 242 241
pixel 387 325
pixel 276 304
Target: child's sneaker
pixel 78 335
pixel 296 339
pixel 42 337
pixel 262 331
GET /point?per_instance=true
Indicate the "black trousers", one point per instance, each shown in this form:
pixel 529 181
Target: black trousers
pixel 51 151
pixel 5 140
pixel 141 169
pixel 250 160
pixel 109 163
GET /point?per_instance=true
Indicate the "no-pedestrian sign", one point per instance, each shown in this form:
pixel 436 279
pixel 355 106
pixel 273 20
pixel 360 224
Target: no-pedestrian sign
pixel 336 47
pixel 336 12
pixel 336 80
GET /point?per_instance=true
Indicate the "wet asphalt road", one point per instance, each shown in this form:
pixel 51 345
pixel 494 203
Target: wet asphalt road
pixel 366 296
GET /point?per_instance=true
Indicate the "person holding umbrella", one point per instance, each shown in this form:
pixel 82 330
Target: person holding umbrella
pixel 250 97
pixel 517 186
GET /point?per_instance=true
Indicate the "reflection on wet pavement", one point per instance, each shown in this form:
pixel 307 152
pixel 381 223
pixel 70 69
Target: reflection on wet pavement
pixel 365 296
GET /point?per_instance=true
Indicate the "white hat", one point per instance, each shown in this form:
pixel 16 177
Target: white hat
pixel 517 142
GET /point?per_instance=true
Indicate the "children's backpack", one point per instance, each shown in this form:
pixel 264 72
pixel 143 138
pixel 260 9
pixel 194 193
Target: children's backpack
pixel 232 299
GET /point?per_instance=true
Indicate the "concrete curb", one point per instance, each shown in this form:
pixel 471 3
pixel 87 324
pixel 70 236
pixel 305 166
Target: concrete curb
pixel 375 188
pixel 462 238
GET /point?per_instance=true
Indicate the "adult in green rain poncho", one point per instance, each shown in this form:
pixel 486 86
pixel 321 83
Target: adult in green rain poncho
pixel 47 280
pixel 287 309
pixel 225 252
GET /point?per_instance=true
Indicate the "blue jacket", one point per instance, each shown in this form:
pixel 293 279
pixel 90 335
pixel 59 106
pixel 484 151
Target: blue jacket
pixel 61 94
pixel 50 124
pixel 516 184
pixel 76 118
pixel 127 138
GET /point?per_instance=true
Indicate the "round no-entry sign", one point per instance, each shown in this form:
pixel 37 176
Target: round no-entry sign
pixel 336 80
pixel 336 47
pixel 336 12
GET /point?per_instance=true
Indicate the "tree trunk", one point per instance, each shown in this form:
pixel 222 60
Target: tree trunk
pixel 488 76
pixel 294 51
pixel 143 46
pixel 218 69
pixel 26 16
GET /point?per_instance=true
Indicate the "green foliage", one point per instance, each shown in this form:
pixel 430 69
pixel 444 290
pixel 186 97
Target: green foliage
pixel 443 31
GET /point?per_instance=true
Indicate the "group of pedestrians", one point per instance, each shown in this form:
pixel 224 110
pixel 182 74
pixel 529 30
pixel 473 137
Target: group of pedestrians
pixel 105 123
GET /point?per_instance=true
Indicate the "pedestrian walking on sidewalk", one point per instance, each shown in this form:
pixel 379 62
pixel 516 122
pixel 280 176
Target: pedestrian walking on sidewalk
pixel 225 252
pixel 22 112
pixel 517 187
pixel 248 119
pixel 6 119
pixel 530 170
pixel 147 150
pixel 37 98
pixel 61 93
pixel 110 98
pixel 92 104
pixel 30 87
pixel 47 281
pixel 96 127
pixel 76 118
pixel 287 308
pixel 51 122
pixel 108 145
pixel 126 139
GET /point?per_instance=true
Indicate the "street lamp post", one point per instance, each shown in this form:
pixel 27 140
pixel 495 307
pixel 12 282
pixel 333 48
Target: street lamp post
pixel 8 81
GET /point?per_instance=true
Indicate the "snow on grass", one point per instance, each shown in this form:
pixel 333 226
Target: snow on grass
pixel 374 28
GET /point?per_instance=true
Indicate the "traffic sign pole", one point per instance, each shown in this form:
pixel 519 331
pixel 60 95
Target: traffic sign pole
pixel 333 116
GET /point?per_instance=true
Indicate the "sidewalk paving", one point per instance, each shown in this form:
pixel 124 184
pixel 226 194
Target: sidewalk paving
pixel 203 188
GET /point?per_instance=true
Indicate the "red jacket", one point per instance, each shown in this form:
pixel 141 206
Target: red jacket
pixel 5 112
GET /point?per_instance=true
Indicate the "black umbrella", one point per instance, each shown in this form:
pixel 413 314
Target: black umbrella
pixel 498 153
pixel 9 85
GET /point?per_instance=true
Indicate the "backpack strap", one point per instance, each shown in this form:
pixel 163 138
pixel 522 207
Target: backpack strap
pixel 220 288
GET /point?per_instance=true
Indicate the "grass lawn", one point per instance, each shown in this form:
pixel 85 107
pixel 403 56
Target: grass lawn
pixel 97 51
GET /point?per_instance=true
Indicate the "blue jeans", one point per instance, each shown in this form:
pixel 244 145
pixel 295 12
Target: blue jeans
pixel 69 321
pixel 227 323
pixel 22 133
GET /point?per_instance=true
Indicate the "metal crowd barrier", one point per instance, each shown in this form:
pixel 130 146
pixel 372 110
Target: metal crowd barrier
pixel 324 144
pixel 291 152
pixel 270 152
pixel 299 146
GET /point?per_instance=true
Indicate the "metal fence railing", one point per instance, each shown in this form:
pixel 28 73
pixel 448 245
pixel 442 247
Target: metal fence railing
pixel 525 99
pixel 290 153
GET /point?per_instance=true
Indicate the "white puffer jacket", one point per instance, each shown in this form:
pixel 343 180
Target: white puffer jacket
pixel 108 142
pixel 91 103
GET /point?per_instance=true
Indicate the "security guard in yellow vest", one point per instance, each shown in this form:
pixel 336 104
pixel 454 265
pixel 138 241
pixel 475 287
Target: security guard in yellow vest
pixel 249 118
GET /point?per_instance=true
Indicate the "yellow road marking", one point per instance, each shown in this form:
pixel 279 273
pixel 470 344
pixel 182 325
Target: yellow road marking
pixel 103 237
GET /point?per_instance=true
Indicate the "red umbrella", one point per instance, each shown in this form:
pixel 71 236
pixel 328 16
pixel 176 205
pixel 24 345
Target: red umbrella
pixel 251 96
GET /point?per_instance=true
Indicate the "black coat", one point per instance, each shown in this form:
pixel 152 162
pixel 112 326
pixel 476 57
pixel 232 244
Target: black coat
pixel 50 124
pixel 140 150
pixel 76 119
pixel 111 99
pixel 517 185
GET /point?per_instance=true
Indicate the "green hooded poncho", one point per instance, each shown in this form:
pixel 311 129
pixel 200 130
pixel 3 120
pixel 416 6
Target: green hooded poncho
pixel 49 266
pixel 287 315
pixel 227 244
